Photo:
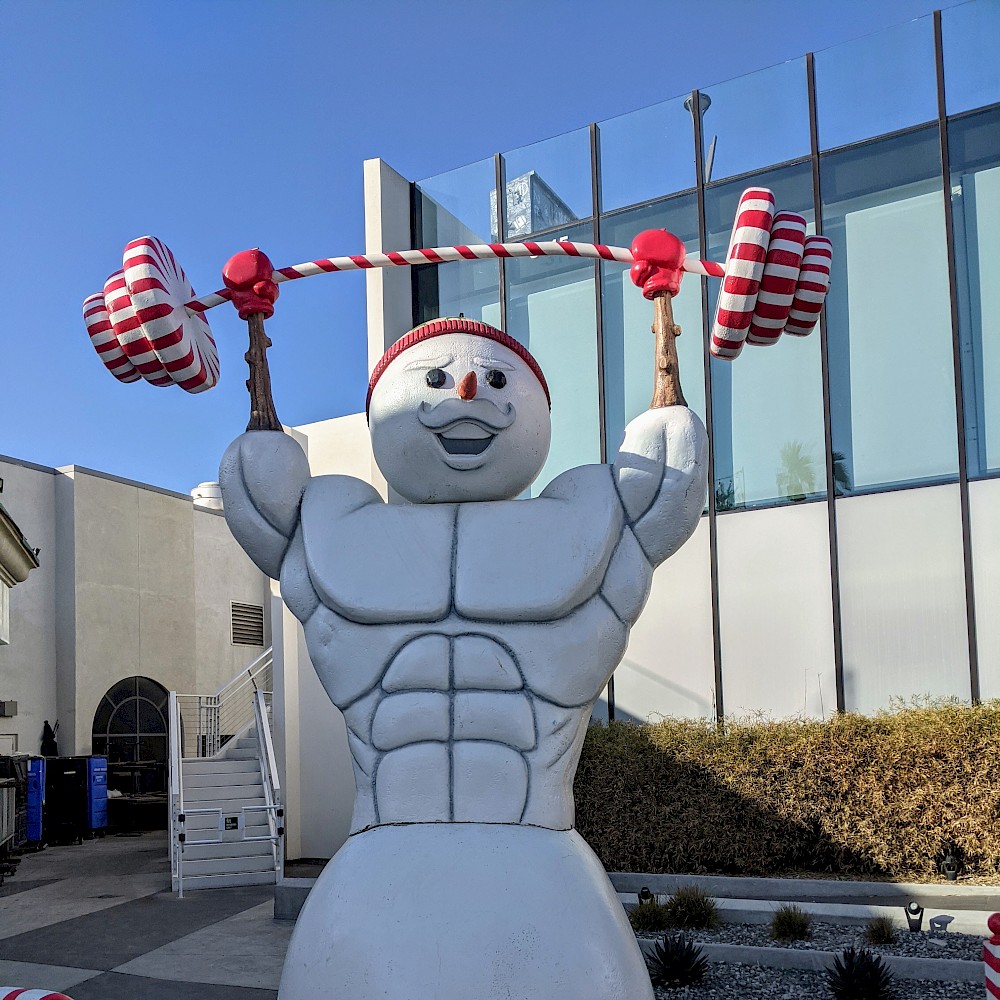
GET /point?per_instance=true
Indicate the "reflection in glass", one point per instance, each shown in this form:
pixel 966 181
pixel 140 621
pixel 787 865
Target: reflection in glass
pixel 454 208
pixel 877 84
pixel 548 184
pixel 628 318
pixel 551 309
pixel 767 404
pixel 975 192
pixel 969 36
pixel 889 313
pixel 646 154
pixel 757 120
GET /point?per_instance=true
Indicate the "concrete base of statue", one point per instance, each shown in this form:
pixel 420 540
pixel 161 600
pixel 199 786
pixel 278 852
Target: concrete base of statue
pixel 445 911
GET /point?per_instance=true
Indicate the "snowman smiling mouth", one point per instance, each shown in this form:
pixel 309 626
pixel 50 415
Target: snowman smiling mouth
pixel 465 438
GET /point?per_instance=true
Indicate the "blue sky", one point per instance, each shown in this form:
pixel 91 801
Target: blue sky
pixel 224 125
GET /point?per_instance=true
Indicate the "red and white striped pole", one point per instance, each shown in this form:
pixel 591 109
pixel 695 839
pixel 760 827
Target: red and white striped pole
pixel 991 957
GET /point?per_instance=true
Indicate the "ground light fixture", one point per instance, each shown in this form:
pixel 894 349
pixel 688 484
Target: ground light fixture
pixel 914 916
pixel 949 867
pixel 644 895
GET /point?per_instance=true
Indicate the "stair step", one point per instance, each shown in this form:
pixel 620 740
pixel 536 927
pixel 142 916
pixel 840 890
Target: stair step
pixel 219 765
pixel 247 743
pixel 224 881
pixel 238 753
pixel 210 831
pixel 229 866
pixel 207 794
pixel 221 778
pixel 230 849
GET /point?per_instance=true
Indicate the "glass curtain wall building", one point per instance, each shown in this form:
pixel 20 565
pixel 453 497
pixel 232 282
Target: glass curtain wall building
pixel 850 551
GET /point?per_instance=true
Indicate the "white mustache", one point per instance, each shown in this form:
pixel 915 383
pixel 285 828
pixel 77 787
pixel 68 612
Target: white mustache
pixel 478 411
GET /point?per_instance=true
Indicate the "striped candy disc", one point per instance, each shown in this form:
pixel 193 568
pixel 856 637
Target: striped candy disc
pixel 140 327
pixel 129 332
pixel 744 269
pixel 812 286
pixel 158 289
pixel 781 275
pixel 102 336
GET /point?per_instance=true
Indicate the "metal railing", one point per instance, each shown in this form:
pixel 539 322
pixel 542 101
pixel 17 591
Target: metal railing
pixel 208 722
pixel 200 727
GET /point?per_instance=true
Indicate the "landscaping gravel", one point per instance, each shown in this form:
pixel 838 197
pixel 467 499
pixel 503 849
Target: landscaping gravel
pixel 837 937
pixel 748 982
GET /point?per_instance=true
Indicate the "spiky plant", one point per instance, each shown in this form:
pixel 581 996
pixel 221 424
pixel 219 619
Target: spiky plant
pixel 880 930
pixel 859 974
pixel 674 962
pixel 691 908
pixel 790 923
pixel 649 917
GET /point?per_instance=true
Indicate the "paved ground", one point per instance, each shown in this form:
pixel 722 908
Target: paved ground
pixel 99 922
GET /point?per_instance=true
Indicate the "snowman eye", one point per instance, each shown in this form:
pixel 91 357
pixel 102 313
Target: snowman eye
pixel 436 378
pixel 496 378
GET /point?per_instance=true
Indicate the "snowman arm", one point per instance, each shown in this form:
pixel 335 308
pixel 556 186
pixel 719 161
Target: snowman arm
pixel 263 475
pixel 661 472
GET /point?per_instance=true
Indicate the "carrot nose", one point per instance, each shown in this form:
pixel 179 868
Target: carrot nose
pixel 468 386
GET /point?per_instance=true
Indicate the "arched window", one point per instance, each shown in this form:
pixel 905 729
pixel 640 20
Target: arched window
pixel 130 724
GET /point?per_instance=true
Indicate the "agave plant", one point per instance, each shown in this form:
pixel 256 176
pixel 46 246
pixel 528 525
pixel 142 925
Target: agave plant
pixel 859 974
pixel 675 961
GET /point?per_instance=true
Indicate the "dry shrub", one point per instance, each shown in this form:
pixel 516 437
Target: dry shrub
pixel 879 797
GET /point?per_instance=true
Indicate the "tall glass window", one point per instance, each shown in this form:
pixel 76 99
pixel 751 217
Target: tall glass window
pixel 628 318
pixel 548 184
pixel 969 34
pixel 551 309
pixel 452 209
pixel 646 154
pixel 877 84
pixel 767 404
pixel 756 120
pixel 975 193
pixel 889 313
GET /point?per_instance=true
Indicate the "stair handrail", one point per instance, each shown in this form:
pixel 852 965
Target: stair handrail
pixel 271 782
pixel 248 674
pixel 215 712
pixel 176 786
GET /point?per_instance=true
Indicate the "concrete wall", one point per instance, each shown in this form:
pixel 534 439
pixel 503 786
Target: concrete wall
pixel 133 580
pixel 28 664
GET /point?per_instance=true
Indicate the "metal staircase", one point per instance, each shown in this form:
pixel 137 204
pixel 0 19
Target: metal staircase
pixel 226 816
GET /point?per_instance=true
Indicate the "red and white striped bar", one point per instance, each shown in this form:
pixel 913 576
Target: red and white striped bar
pixel 991 957
pixel 744 269
pixel 813 284
pixel 780 278
pixel 444 255
pixel 16 993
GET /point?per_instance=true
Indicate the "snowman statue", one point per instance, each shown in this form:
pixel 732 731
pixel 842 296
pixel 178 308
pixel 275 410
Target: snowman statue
pixel 465 635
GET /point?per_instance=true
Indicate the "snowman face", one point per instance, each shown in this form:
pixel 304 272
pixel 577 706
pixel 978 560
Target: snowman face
pixel 456 418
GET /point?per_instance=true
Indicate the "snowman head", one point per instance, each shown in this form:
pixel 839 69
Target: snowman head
pixel 458 411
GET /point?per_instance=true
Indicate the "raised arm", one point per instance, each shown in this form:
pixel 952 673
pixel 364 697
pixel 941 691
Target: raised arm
pixel 661 469
pixel 263 475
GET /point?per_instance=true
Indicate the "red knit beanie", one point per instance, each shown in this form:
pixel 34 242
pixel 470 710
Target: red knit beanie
pixel 439 327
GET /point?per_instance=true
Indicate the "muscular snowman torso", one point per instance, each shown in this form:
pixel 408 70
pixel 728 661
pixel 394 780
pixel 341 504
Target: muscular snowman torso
pixel 466 643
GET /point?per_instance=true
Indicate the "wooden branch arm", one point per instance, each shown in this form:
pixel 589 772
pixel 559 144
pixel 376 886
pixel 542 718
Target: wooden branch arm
pixel 667 381
pixel 262 414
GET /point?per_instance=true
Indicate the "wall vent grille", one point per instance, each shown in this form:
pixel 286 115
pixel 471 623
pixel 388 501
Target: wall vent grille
pixel 248 624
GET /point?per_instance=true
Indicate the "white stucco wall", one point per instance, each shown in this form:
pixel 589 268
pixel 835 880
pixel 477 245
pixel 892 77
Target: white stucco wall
pixel 28 663
pixel 133 580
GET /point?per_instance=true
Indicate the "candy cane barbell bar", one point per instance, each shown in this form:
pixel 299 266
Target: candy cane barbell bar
pixel 148 324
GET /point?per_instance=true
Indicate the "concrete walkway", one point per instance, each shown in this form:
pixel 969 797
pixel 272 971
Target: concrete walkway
pixel 99 922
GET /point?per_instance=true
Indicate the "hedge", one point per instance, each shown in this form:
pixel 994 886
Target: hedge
pixel 883 797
